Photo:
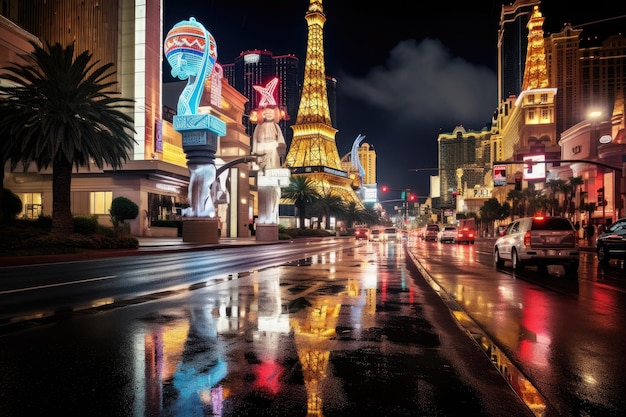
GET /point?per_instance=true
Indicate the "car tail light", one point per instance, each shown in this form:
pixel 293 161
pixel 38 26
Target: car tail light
pixel 527 238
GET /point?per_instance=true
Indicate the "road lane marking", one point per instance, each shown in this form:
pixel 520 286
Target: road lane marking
pixel 60 284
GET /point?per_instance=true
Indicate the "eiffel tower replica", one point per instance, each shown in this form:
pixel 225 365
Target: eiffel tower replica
pixel 313 150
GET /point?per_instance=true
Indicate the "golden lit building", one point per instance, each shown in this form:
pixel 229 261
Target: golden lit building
pixel 313 152
pixel 367 156
pixel 531 126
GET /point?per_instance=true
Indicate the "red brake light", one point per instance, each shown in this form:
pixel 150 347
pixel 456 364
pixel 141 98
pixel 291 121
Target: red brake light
pixel 527 238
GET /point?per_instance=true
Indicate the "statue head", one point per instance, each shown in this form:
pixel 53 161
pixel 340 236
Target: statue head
pixel 186 46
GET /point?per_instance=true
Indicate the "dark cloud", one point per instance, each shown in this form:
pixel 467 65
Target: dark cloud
pixel 423 83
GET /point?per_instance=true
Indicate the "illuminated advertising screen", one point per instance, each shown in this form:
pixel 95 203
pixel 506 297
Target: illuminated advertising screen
pixel 534 167
pixel 499 175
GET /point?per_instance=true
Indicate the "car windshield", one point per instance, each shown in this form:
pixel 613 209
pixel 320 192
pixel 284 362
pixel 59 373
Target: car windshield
pixel 619 225
pixel 433 227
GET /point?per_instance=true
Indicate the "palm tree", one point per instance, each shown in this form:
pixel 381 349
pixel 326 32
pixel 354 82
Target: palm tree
pixel 366 215
pixel 570 195
pixel 59 111
pixel 517 202
pixel 328 205
pixel 554 188
pixel 302 192
pixel 491 211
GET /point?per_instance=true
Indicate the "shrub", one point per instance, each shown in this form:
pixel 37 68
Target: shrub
pixel 44 222
pixel 11 205
pixel 86 225
pixel 123 209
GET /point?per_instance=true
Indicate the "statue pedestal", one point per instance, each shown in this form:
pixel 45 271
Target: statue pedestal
pixel 266 232
pixel 200 230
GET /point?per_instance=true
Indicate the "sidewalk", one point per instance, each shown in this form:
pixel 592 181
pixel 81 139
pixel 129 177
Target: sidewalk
pixel 147 245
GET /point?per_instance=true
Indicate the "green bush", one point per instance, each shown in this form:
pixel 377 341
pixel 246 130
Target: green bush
pixel 123 209
pixel 44 222
pixel 86 224
pixel 33 237
pixel 11 205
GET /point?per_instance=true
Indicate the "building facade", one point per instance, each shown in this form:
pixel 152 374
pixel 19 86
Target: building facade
pixel 463 162
pixel 512 46
pixel 128 34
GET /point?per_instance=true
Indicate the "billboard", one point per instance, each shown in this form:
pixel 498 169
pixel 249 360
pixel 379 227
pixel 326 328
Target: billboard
pixel 534 167
pixel 499 175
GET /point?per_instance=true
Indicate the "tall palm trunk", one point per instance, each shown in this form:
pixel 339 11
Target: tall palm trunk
pixel 301 215
pixel 62 221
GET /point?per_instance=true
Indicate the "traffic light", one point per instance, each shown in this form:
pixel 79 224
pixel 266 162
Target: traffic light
pixel 412 197
pixel 384 189
pixel 518 183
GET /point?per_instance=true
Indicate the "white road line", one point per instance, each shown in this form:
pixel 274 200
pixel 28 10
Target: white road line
pixel 60 284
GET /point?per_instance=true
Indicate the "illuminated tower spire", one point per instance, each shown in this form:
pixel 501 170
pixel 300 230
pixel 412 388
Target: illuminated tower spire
pixel 313 151
pixel 536 70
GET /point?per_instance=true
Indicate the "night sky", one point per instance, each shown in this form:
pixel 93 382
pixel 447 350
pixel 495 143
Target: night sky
pixel 405 70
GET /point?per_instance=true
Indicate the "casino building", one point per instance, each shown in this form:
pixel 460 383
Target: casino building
pixel 130 35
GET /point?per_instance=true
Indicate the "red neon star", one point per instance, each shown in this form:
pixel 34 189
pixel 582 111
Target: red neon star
pixel 267 93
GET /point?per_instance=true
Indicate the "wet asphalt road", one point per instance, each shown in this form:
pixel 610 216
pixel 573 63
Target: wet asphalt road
pixel 354 332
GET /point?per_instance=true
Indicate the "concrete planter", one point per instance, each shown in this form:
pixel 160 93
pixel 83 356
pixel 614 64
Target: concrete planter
pixel 157 231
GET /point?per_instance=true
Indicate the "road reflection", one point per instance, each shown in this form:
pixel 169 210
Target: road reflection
pixel 190 360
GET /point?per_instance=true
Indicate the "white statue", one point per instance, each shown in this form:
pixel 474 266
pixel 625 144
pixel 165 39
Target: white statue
pixel 268 141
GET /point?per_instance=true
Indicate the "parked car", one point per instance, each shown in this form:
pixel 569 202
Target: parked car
pixel 432 232
pixel 448 234
pixel 612 243
pixel 361 233
pixel 540 241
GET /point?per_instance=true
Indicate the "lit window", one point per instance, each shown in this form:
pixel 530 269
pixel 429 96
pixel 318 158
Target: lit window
pixel 32 206
pixel 100 202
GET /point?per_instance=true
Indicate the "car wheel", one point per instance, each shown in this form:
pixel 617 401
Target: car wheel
pixel 498 261
pixel 603 255
pixel 517 265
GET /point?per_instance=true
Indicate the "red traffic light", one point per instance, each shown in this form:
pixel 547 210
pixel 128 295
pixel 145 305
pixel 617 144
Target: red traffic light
pixel 412 197
pixel 384 189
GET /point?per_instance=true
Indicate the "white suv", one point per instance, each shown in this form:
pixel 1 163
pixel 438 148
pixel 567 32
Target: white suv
pixel 539 241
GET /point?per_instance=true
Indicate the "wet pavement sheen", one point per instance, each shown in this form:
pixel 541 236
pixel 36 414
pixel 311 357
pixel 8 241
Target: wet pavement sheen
pixel 344 333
